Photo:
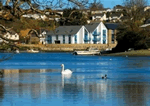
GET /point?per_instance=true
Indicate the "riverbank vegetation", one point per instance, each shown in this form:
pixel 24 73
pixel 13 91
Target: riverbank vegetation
pixel 130 34
pixel 130 53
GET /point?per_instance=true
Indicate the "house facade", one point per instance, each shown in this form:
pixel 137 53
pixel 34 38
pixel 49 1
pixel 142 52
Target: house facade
pixel 68 35
pixel 97 32
pixel 10 35
pixel 99 17
pixel 93 33
pixel 111 33
pixel 115 17
pixel 42 35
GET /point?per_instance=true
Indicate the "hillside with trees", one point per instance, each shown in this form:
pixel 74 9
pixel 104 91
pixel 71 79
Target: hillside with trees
pixel 130 34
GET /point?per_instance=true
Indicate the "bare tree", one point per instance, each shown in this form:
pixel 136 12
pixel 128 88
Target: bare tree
pixel 130 34
pixel 9 42
pixel 15 6
pixel 96 5
pixel 134 12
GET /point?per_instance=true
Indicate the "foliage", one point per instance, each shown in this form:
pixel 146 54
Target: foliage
pixel 130 35
pixel 127 38
pixel 73 17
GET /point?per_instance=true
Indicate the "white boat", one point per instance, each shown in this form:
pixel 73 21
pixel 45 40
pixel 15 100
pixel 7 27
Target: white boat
pixel 88 51
pixel 32 51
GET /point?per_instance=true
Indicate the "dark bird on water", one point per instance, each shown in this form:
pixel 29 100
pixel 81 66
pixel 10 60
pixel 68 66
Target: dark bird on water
pixel 104 77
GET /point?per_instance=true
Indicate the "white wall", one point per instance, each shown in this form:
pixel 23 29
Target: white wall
pixel 98 31
pixel 80 36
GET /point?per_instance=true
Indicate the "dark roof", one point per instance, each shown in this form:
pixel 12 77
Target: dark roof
pixel 42 30
pixel 12 32
pixel 112 26
pixel 91 27
pixel 63 30
pixel 115 14
pixel 119 7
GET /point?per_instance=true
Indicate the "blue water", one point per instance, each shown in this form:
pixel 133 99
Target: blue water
pixel 35 80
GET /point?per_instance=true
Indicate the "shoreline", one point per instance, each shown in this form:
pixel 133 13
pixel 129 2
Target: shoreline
pixel 125 54
pixel 130 53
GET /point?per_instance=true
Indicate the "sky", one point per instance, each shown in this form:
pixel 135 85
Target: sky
pixel 111 3
pixel 106 3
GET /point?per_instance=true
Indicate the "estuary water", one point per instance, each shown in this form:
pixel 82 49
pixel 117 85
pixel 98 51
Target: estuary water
pixel 35 80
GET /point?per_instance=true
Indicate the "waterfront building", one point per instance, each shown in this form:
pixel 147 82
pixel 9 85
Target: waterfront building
pixel 111 33
pixel 68 35
pixel 93 33
pixel 97 32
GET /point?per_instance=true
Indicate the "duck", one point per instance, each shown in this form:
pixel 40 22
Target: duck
pixel 65 71
pixel 104 77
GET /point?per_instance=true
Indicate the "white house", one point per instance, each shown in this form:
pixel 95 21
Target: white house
pixel 35 16
pixel 118 8
pixel 114 17
pixel 100 17
pixel 98 11
pixel 68 35
pixel 93 33
pixel 42 35
pixel 97 33
pixel 11 35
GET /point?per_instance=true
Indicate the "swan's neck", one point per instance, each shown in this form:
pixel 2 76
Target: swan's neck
pixel 62 69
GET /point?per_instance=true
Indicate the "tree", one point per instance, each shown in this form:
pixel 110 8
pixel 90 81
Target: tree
pixel 134 12
pixel 16 9
pixel 73 17
pixel 96 5
pixel 130 34
pixel 7 43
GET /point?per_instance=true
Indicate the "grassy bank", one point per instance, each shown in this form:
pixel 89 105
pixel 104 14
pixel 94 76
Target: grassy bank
pixel 131 53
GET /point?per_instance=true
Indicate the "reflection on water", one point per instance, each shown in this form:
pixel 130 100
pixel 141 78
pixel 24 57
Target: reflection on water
pixel 35 79
pixel 47 86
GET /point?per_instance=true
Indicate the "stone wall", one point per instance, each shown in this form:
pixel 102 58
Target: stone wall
pixel 68 47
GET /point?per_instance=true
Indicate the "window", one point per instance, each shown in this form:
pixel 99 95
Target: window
pixel 112 31
pixel 95 32
pixel 86 40
pixel 69 37
pixel 95 39
pixel 63 39
pixel 112 38
pixel 104 36
pixel 49 39
pixel 56 37
pixel 75 38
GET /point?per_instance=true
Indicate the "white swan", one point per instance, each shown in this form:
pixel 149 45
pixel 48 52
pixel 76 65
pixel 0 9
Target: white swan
pixel 67 71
